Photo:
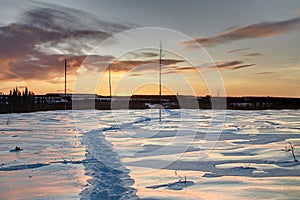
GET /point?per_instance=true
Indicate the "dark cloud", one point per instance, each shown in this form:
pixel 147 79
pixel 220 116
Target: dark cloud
pixel 259 30
pixel 253 54
pixel 149 54
pixel 135 74
pixel 169 61
pixel 139 55
pixel 49 67
pixel 228 64
pixel 42 68
pixel 35 46
pixel 174 69
pixel 125 65
pixel 97 63
pixel 178 69
pixel 263 73
pixel 233 65
pixel 238 50
pixel 242 66
pixel 184 68
pixel 165 70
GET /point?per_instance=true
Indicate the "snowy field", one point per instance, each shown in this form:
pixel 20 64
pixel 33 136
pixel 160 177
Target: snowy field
pixel 129 154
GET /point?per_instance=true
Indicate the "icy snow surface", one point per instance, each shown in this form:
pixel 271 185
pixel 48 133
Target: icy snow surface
pixel 129 154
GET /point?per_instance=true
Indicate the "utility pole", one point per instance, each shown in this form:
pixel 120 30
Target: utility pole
pixel 109 84
pixel 65 84
pixel 160 62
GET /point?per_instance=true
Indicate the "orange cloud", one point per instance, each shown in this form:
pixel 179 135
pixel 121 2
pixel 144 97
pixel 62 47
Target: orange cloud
pixel 125 65
pixel 259 30
pixel 34 47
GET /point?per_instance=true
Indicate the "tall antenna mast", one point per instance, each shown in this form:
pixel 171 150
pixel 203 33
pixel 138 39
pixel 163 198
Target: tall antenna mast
pixel 65 84
pixel 160 62
pixel 109 82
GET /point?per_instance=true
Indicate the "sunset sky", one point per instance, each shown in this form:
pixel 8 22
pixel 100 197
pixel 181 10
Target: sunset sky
pixel 254 46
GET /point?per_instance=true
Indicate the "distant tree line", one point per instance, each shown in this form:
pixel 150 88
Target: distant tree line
pixel 18 101
pixel 25 101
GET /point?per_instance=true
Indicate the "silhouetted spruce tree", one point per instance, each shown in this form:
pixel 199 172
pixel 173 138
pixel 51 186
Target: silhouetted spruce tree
pixel 21 101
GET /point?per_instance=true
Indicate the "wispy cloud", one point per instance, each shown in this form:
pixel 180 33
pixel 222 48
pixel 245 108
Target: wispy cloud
pixel 126 65
pixel 253 54
pixel 224 65
pixel 135 74
pixel 242 66
pixel 228 64
pixel 263 73
pixel 45 67
pixel 174 69
pixel 238 50
pixel 233 65
pixel 183 68
pixel 259 30
pixel 34 47
pixel 141 55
